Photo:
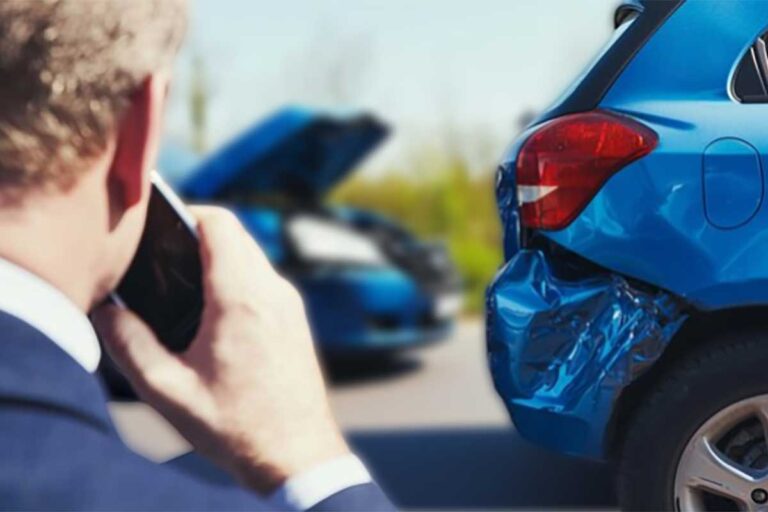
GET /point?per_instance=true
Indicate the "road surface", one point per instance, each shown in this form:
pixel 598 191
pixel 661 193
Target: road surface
pixel 432 430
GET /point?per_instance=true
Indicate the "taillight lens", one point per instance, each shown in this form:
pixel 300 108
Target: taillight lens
pixel 562 166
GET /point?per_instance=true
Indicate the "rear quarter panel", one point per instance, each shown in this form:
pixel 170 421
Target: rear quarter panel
pixel 649 220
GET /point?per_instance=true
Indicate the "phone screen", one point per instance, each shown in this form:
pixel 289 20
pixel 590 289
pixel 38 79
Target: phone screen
pixel 163 285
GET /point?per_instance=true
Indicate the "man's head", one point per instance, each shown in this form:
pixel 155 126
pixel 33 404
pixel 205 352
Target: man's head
pixel 82 88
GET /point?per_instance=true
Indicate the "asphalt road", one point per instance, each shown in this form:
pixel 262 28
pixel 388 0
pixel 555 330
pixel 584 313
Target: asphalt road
pixel 431 429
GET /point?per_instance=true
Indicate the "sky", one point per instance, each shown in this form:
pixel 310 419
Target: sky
pixel 435 70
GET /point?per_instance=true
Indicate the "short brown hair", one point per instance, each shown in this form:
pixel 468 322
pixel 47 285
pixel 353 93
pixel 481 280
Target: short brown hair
pixel 67 71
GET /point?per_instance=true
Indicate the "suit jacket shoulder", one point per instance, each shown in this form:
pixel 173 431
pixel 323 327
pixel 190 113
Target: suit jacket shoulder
pixel 59 449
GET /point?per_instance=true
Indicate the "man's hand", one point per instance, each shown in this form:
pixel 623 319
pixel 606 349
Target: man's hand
pixel 248 393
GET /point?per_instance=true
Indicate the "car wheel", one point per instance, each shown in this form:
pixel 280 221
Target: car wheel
pixel 699 441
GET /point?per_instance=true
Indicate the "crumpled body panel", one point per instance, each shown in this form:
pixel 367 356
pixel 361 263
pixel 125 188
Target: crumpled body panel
pixel 561 348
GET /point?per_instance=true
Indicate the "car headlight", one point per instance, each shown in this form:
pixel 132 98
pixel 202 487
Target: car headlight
pixel 324 241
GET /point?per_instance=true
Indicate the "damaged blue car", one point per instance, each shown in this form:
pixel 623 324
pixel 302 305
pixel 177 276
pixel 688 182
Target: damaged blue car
pixel 630 320
pixel 370 287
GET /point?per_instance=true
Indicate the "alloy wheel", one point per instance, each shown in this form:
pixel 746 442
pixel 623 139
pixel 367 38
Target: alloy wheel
pixel 724 466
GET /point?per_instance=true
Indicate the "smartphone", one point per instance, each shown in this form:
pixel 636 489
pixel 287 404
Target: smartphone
pixel 163 284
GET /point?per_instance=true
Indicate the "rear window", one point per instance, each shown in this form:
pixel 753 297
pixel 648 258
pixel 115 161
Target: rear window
pixel 750 83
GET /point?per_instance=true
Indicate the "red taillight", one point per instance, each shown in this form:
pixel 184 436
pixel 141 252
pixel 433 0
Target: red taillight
pixel 561 167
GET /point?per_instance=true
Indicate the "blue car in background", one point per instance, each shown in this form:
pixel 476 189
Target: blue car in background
pixel 369 286
pixel 630 320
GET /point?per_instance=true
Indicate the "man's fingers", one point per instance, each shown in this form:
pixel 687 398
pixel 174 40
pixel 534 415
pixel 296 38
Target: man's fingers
pixel 221 234
pixel 133 346
pixel 225 245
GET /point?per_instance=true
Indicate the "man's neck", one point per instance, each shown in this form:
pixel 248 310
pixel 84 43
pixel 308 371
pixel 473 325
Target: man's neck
pixel 53 243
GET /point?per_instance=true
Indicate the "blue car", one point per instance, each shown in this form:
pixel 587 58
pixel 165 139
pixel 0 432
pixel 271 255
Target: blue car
pixel 630 320
pixel 369 286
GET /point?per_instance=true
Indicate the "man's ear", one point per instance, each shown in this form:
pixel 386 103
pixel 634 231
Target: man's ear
pixel 137 139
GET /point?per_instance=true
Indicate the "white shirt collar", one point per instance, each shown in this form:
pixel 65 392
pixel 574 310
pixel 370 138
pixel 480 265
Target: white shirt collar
pixel 44 307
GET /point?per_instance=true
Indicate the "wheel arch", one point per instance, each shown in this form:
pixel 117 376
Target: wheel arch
pixel 702 329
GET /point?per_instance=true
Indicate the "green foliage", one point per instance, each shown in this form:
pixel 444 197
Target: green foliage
pixel 199 99
pixel 440 199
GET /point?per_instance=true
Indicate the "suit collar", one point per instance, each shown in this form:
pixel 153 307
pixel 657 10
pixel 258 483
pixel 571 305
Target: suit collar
pixel 36 372
pixel 47 309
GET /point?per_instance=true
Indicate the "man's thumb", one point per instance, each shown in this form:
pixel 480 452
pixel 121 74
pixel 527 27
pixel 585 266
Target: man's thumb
pixel 132 344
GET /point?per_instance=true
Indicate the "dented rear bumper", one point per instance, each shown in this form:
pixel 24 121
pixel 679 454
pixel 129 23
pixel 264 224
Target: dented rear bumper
pixel 563 342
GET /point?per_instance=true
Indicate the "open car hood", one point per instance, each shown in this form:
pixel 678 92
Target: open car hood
pixel 296 151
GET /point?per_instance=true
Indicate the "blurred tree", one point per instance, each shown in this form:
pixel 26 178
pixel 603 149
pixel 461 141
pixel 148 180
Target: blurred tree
pixel 199 96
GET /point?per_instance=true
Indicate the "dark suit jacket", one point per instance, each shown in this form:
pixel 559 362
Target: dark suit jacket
pixel 59 449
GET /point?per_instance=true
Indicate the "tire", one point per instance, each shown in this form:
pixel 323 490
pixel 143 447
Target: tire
pixel 691 394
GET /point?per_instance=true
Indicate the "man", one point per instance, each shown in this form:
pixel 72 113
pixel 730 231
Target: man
pixel 82 88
